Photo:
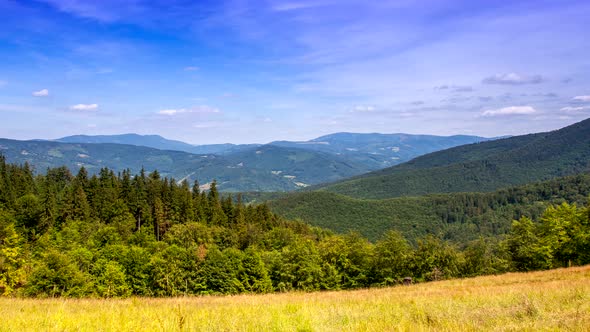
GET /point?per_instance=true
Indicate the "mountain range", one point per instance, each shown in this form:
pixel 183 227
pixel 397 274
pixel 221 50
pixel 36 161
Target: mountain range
pixel 458 193
pixel 478 167
pixel 276 166
pixel 374 151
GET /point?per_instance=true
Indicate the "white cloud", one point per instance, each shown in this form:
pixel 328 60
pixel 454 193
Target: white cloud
pixel 41 93
pixel 582 98
pixel 512 110
pixel 513 79
pixel 191 68
pixel 202 109
pixel 172 111
pixel 363 108
pixel 3 83
pixel 84 107
pixel 575 109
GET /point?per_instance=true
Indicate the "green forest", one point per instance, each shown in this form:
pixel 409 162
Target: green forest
pixel 480 167
pixel 457 217
pixel 119 235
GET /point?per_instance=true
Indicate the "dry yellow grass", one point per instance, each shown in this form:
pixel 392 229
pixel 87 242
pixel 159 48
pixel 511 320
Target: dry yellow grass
pixel 539 301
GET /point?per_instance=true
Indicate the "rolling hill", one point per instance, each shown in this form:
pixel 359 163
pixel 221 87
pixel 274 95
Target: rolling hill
pixel 277 166
pixel 373 151
pixel 478 167
pixel 266 169
pixel 458 217
pixel 381 150
pixel 157 142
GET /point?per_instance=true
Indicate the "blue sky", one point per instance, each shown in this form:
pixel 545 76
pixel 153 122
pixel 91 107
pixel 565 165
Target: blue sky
pixel 255 71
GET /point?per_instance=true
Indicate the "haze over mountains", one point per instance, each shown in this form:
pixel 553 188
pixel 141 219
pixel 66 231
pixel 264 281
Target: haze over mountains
pixel 277 166
pixel 156 142
pixel 374 150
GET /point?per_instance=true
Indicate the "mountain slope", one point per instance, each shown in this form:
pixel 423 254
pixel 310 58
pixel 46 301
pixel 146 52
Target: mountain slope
pixel 238 173
pixel 459 217
pixel 482 166
pixel 157 142
pixel 373 151
pixel 304 166
pixel 380 150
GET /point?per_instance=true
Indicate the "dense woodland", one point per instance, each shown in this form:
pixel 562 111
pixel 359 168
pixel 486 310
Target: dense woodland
pixel 457 217
pixel 116 235
pixel 481 167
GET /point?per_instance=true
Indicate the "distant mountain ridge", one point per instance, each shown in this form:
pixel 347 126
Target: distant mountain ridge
pixel 374 151
pixel 381 150
pixel 157 142
pixel 277 166
pixel 479 167
pixel 269 168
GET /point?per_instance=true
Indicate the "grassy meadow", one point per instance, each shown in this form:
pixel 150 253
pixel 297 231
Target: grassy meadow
pixel 538 301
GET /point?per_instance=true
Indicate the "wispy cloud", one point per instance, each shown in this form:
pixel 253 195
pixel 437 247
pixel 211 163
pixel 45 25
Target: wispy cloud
pixel 575 109
pixel 512 110
pixel 84 107
pixel 104 10
pixel 41 93
pixel 581 99
pixel 202 109
pixel 363 109
pixel 454 88
pixel 228 95
pixel 513 79
pixel 322 56
pixel 462 89
pixel 172 111
pixel 3 83
pixel 283 6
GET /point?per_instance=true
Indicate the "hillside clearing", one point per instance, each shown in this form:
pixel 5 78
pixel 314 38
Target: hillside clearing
pixel 538 301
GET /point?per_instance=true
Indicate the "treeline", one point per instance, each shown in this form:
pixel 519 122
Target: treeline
pixel 116 235
pixel 490 214
pixel 457 217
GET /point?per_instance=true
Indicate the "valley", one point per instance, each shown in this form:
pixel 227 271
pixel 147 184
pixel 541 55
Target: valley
pixel 277 166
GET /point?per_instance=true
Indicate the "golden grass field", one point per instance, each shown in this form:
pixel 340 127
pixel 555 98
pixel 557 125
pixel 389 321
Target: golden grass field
pixel 539 301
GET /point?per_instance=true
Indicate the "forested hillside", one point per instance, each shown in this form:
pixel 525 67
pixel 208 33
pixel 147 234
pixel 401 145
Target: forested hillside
pixel 479 167
pixel 115 235
pixel 158 142
pixel 380 150
pixel 458 217
pixel 267 168
pixel 373 151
